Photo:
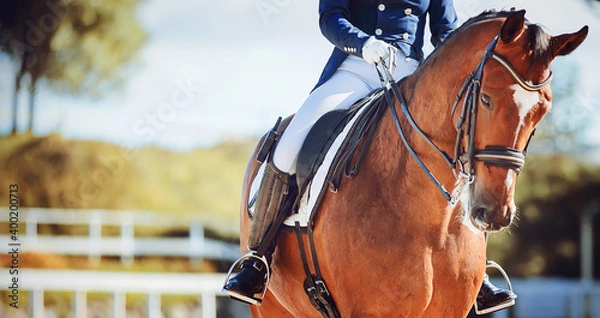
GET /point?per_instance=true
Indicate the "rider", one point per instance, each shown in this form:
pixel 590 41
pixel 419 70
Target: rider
pixel 363 33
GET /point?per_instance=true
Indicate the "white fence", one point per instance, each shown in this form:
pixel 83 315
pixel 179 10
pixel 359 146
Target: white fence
pixel 537 297
pixel 126 245
pixel 117 284
pixel 552 298
pixel 542 297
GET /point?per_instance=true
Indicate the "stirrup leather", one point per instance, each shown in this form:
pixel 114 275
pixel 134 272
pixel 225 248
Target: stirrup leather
pixel 237 267
pixel 492 264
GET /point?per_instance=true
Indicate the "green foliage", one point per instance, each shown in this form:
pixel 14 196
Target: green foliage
pixel 57 173
pixel 552 193
pixel 93 44
pixel 79 47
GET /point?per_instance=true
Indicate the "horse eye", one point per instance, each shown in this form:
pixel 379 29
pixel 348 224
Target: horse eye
pixel 486 100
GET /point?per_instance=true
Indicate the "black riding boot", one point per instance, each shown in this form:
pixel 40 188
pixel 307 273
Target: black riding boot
pixel 491 298
pixel 275 198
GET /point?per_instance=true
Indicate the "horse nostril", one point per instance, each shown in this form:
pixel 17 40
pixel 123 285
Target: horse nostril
pixel 493 219
pixel 507 219
pixel 480 213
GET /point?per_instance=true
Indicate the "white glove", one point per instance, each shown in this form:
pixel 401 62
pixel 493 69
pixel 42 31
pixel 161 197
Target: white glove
pixel 374 50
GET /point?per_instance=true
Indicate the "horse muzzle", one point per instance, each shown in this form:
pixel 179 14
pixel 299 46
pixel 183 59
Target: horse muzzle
pixel 491 218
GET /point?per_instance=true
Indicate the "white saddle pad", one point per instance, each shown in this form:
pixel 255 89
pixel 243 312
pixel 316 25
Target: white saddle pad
pixel 310 196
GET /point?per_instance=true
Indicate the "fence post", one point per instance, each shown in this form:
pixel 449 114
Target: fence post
pixel 209 305
pixel 153 306
pixel 119 305
pixel 127 239
pixel 31 226
pixel 95 236
pixel 79 304
pixel 36 303
pixel 196 238
pixel 587 256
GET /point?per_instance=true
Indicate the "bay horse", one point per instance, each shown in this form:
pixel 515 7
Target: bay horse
pixel 388 244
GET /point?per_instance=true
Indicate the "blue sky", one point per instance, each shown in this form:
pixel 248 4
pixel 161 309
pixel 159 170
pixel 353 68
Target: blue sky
pixel 226 69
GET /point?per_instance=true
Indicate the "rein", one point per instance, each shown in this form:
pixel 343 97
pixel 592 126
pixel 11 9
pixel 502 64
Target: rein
pixel 461 160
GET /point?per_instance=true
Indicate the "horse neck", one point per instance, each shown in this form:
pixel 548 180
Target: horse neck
pixel 429 93
pixel 402 184
pixel 429 96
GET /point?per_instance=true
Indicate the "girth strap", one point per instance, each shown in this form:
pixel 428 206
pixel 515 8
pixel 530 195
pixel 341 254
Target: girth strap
pixel 314 285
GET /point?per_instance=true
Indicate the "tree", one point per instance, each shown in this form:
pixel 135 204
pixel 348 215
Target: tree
pixel 79 47
pixel 17 39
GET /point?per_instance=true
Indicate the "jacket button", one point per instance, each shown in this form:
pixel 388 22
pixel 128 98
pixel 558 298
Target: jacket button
pixel 408 11
pixel 378 32
pixel 381 7
pixel 405 36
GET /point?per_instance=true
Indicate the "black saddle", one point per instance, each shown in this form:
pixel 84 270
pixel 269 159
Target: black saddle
pixel 324 132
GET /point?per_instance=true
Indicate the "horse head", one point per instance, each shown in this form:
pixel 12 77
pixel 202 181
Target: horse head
pixel 510 93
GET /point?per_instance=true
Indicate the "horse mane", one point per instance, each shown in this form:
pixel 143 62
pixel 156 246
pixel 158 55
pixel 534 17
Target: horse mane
pixel 485 15
pixel 538 42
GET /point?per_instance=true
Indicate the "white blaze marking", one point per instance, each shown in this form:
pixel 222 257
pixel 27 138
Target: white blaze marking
pixel 509 179
pixel 525 101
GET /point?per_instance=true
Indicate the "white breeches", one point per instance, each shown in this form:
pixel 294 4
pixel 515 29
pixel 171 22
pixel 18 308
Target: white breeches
pixel 353 80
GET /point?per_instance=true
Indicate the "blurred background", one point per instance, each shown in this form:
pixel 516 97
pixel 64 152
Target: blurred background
pixel 127 125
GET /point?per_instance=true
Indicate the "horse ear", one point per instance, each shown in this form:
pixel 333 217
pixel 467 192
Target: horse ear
pixel 566 43
pixel 513 27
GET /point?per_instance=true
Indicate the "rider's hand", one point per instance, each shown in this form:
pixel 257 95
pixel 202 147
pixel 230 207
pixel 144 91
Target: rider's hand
pixel 374 50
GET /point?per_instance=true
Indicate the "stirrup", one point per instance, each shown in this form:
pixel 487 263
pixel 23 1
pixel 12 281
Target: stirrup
pixel 236 268
pixel 492 264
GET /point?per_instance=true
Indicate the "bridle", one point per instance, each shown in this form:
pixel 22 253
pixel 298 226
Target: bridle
pixel 461 162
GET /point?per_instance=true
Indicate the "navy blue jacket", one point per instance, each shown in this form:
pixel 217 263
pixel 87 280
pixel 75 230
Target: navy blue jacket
pixel 349 23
